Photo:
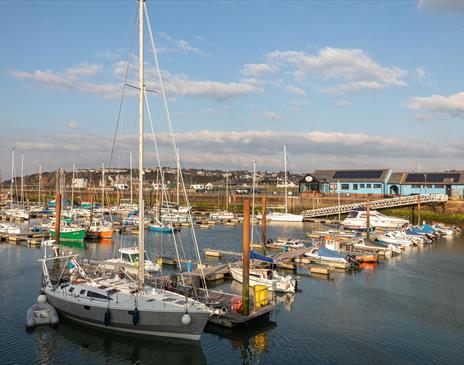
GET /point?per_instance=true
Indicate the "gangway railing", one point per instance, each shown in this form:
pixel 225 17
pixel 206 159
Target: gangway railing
pixel 376 204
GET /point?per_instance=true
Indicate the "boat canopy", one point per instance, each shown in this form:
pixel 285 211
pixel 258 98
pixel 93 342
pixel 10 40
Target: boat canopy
pixel 324 251
pixel 256 256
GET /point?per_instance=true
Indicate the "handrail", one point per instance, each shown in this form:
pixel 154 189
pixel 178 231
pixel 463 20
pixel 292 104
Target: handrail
pixel 376 204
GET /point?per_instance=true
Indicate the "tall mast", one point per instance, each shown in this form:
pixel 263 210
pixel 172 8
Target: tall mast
pixel 253 202
pixel 227 191
pixel 285 179
pixel 40 183
pixel 178 180
pixel 103 187
pixel 72 184
pixel 22 180
pixel 12 176
pixel 141 111
pixel 130 171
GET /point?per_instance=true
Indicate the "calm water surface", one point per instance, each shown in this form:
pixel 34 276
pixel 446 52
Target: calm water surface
pixel 407 310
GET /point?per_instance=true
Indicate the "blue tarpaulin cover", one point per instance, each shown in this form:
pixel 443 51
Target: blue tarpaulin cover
pixel 256 256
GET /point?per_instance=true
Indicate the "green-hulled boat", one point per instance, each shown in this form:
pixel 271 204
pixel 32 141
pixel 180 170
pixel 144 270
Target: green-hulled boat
pixel 70 234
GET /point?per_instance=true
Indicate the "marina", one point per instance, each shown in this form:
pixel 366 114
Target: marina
pixel 229 183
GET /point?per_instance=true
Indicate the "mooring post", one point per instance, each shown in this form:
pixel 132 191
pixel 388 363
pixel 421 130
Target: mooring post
pixel 418 210
pixel 246 257
pixel 263 224
pixel 368 219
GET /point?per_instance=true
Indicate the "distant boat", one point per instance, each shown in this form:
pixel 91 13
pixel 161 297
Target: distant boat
pixel 70 234
pixel 324 254
pixel 159 226
pixel 100 229
pixel 357 219
pixel 274 216
pixel 9 228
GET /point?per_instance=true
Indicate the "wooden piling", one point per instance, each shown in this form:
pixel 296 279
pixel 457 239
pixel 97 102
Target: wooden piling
pixel 246 257
pixel 418 210
pixel 368 219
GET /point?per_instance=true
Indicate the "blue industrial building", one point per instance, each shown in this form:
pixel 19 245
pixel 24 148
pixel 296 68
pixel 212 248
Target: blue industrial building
pixel 382 182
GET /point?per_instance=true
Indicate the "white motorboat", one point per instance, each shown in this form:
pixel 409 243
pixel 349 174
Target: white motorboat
pixel 130 256
pixel 325 254
pixel 445 230
pixel 281 217
pixel 269 278
pixel 287 243
pixel 357 219
pixel 9 228
pixel 221 215
pixel 17 213
pixel 389 237
pixel 376 247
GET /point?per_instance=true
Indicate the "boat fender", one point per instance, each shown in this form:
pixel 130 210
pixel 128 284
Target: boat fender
pixel 107 319
pixel 135 316
pixel 186 319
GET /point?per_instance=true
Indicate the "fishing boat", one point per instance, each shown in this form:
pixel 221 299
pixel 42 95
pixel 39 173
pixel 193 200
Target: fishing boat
pixel 100 229
pixel 124 304
pixel 130 256
pixel 69 233
pixel 357 219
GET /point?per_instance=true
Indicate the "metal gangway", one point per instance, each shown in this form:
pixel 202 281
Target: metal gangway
pixel 376 204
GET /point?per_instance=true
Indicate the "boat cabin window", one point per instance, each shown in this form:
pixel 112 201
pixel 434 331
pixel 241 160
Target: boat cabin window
pixel 71 289
pixel 126 257
pixel 82 292
pixel 353 214
pixel 92 294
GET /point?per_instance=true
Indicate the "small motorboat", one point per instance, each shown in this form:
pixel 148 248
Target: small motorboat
pixel 159 226
pixel 266 277
pixel 324 254
pixel 41 313
pixel 447 231
pixel 286 243
pixel 10 228
pixel 130 256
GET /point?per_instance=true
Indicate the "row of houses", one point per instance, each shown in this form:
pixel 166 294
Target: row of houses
pixel 383 182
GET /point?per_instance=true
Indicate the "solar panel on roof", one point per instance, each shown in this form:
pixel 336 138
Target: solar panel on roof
pixel 433 178
pixel 358 174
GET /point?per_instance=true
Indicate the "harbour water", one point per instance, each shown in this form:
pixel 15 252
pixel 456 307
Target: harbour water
pixel 406 310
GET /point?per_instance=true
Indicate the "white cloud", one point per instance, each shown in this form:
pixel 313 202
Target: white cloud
pixel 272 116
pixel 438 105
pixel 236 149
pixel 257 69
pixel 176 45
pixel 73 125
pixel 421 72
pixel 446 6
pixel 295 90
pixel 352 69
pixel 78 79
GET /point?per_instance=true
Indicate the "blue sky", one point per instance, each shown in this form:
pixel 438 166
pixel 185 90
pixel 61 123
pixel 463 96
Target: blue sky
pixel 343 84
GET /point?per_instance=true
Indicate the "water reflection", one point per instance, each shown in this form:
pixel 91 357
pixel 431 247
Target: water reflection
pixel 112 348
pixel 250 340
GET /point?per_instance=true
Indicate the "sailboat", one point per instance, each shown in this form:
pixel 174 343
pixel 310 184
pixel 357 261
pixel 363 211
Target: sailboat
pixel 223 214
pixel 283 216
pixel 16 212
pixel 122 304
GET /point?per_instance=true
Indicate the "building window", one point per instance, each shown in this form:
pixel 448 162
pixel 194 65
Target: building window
pixel 377 186
pixel 439 186
pixel 362 186
pixel 345 186
pixel 355 186
pixel 368 186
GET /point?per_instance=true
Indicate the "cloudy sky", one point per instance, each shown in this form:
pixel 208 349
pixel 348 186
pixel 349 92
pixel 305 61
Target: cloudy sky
pixel 343 84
